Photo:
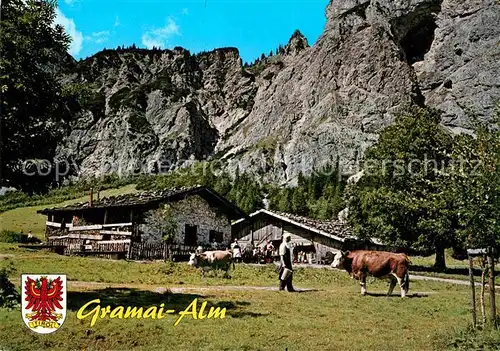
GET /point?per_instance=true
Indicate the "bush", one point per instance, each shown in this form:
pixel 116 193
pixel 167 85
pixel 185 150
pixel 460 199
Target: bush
pixel 11 237
pixel 470 339
pixel 9 297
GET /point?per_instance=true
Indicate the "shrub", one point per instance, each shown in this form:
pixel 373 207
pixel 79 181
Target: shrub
pixel 474 339
pixel 7 236
pixel 9 297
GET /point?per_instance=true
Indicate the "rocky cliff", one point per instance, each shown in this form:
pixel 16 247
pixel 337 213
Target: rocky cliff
pixel 297 110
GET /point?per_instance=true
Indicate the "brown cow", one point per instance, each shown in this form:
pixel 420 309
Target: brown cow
pixel 212 260
pixel 379 264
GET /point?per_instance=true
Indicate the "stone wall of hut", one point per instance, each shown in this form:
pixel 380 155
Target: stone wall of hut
pixel 196 211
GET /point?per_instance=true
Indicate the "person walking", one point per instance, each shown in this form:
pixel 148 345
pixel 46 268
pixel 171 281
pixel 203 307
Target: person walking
pixel 286 269
pixel 236 250
pixel 269 251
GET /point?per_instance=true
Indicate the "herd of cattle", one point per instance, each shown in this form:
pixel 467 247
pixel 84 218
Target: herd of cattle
pixel 359 264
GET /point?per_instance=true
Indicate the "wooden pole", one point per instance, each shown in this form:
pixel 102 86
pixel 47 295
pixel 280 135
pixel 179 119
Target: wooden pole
pixel 484 271
pixel 251 230
pixel 473 291
pixel 491 283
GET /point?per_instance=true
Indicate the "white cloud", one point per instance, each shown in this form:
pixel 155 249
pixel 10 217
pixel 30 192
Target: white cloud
pixel 159 36
pixel 98 37
pixel 70 29
pixel 117 21
pixel 103 33
pixel 69 2
pixel 185 11
pixel 149 42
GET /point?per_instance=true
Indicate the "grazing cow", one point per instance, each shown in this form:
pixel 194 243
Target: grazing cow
pixel 379 264
pixel 212 260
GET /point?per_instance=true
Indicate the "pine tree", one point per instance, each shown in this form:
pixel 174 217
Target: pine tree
pixel 299 204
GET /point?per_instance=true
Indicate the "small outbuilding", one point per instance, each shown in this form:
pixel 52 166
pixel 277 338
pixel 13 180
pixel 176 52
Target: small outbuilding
pixel 317 237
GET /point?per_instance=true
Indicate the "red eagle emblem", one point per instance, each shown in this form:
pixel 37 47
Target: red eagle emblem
pixel 43 296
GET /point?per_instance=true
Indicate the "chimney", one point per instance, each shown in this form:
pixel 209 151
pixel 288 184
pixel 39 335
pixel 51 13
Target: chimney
pixel 91 196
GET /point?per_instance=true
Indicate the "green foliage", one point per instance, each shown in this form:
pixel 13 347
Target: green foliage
pixel 78 189
pixel 34 112
pixel 85 96
pixel 425 189
pixel 246 193
pixel 324 202
pixel 474 182
pixel 317 196
pixel 400 198
pixel 117 99
pixel 7 236
pixel 473 339
pixel 161 225
pixel 9 297
pixel 138 123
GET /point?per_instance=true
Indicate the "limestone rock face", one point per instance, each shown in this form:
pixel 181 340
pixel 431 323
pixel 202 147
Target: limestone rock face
pixel 297 110
pixel 460 73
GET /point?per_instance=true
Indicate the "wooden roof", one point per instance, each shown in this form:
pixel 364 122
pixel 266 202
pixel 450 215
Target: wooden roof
pixel 332 229
pixel 151 198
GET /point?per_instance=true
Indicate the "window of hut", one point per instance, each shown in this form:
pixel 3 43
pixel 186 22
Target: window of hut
pixel 217 236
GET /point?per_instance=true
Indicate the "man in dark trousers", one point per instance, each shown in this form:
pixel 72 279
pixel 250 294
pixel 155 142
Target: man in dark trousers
pixel 285 252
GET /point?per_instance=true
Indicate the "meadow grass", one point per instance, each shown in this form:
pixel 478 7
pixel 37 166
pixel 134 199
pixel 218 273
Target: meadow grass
pixel 26 219
pixel 334 316
pixel 455 269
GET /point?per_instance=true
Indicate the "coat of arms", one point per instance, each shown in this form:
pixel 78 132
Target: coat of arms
pixel 43 302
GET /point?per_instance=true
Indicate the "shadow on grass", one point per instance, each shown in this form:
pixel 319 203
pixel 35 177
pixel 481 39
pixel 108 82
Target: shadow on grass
pixel 305 291
pixel 455 270
pixel 115 297
pixel 409 296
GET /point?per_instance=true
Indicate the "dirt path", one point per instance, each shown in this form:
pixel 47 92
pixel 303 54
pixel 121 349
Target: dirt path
pixel 205 289
pixel 160 289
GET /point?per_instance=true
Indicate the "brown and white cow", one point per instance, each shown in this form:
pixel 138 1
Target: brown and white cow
pixel 212 260
pixel 379 264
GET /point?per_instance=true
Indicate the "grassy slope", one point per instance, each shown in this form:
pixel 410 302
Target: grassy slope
pixel 258 320
pixel 333 317
pixel 26 218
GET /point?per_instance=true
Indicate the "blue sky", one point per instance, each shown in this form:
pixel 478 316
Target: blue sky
pixel 253 26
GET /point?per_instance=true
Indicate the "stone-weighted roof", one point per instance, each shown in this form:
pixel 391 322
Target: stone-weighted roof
pixel 328 226
pixel 147 198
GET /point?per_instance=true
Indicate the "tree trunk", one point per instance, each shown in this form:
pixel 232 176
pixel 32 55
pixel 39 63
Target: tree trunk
pixel 440 263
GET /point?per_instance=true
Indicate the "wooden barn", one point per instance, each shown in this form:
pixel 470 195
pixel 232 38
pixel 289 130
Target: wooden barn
pixel 317 237
pixel 115 226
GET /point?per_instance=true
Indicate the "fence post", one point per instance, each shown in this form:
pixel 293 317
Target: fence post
pixel 473 291
pixel 491 283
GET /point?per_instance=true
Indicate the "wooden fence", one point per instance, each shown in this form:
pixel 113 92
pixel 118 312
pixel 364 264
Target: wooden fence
pixel 122 249
pixel 160 251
